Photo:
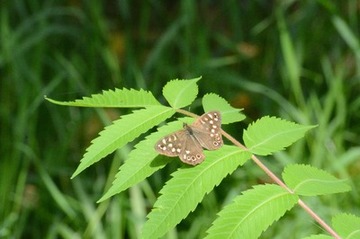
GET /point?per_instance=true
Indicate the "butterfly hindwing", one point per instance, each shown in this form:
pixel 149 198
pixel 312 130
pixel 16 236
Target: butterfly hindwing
pixel 192 152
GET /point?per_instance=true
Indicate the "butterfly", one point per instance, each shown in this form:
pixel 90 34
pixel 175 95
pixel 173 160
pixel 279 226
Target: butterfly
pixel 189 142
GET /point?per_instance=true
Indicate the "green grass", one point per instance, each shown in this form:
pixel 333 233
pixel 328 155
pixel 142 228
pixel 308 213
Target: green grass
pixel 299 61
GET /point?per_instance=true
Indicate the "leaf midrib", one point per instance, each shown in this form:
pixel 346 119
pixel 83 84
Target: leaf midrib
pixel 266 140
pixel 180 94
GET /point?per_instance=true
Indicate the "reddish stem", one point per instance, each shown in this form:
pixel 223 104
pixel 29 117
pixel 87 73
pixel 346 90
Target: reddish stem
pixel 282 184
pixel 274 178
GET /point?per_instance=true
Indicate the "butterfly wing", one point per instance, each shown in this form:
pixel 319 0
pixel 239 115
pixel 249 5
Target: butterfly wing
pixel 192 152
pixel 207 130
pixel 171 145
pixel 182 144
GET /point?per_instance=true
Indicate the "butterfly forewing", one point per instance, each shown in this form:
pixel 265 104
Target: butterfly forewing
pixel 171 145
pixel 187 143
pixel 207 130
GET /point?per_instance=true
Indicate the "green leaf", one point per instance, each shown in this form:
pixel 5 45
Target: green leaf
pixel 309 181
pixel 229 114
pixel 118 98
pixel 270 134
pixel 252 213
pixel 142 161
pixel 320 236
pixel 347 225
pixel 121 132
pixel 181 93
pixel 185 190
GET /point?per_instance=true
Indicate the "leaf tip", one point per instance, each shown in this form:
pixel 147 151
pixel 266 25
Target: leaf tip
pixel 76 173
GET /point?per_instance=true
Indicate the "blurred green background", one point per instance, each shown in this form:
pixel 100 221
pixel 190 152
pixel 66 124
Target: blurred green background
pixel 298 60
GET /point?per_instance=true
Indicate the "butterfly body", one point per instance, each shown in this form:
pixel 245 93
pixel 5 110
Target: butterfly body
pixel 189 142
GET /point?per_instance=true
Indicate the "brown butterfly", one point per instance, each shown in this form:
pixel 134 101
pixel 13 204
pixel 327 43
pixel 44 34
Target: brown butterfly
pixel 189 142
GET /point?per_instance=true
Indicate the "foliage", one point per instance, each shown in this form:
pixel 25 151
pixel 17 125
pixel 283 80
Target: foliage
pixel 252 212
pixel 188 186
pixel 258 55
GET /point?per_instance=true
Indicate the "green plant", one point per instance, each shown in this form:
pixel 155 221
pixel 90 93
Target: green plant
pixel 250 213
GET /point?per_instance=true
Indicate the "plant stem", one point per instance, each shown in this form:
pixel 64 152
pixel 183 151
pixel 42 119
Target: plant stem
pixel 318 219
pixel 274 178
pixel 283 185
